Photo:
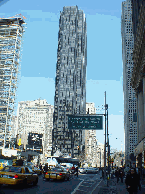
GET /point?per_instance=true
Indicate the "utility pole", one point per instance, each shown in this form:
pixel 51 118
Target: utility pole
pixel 108 143
pixel 105 142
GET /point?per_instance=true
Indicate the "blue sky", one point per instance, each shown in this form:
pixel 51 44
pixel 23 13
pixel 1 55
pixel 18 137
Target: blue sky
pixel 104 55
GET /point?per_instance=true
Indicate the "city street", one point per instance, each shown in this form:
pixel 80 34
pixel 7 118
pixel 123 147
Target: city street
pixel 83 184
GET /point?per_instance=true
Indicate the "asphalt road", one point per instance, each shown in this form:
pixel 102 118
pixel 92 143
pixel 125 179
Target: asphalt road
pixel 83 184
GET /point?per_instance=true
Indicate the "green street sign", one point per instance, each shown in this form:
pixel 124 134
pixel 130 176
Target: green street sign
pixel 90 122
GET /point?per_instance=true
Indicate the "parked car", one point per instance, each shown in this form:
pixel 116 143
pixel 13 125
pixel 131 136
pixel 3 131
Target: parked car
pixel 90 170
pixel 81 170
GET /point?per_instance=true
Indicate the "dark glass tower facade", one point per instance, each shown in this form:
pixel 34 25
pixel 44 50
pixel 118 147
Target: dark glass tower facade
pixel 70 81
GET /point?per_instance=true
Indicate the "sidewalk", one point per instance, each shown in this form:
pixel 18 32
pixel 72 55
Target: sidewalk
pixel 116 188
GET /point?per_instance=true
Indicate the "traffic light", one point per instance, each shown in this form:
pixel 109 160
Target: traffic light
pixel 78 147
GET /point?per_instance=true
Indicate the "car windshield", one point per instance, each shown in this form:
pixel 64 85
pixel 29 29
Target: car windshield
pixel 56 169
pixel 12 169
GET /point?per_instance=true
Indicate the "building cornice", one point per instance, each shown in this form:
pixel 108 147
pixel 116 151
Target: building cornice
pixel 138 50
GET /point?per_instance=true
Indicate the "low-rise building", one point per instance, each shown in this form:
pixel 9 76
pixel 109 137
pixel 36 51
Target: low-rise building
pixel 35 117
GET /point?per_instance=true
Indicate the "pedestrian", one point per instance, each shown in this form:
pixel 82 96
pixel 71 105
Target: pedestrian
pixel 40 166
pixel 45 169
pixel 126 170
pixel 117 174
pixel 121 174
pixel 132 182
pixel 73 171
pixel 76 170
pixel 143 172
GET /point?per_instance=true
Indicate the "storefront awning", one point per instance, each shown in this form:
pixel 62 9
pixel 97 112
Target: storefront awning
pixel 140 147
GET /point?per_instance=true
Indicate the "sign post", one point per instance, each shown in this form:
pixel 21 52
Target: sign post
pixel 92 122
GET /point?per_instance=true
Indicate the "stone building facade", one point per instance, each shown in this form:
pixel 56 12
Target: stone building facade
pixel 138 77
pixel 130 109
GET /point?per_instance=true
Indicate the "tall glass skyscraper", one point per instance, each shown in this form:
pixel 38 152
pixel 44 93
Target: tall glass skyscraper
pixel 130 119
pixel 70 81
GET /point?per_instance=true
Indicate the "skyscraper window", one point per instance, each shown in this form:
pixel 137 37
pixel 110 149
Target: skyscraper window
pixel 68 81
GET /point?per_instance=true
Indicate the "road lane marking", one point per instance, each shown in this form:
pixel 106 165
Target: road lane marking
pixel 88 181
pixel 77 187
pixel 81 190
pixel 85 186
pixel 95 187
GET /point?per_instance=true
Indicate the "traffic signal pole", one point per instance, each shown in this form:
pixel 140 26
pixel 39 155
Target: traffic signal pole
pixel 106 145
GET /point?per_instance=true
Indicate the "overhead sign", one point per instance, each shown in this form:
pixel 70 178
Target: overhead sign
pixel 85 122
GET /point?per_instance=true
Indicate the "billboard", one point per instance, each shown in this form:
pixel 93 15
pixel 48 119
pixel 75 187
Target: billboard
pixel 35 139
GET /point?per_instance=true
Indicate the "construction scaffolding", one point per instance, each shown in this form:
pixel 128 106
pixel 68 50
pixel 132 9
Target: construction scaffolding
pixel 11 31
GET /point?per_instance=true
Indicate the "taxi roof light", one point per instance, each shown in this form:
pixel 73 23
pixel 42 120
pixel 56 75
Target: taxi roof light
pixel 60 174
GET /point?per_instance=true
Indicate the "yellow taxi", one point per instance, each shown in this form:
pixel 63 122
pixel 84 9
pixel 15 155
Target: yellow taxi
pixel 2 165
pixel 18 175
pixel 57 173
pixel 35 169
